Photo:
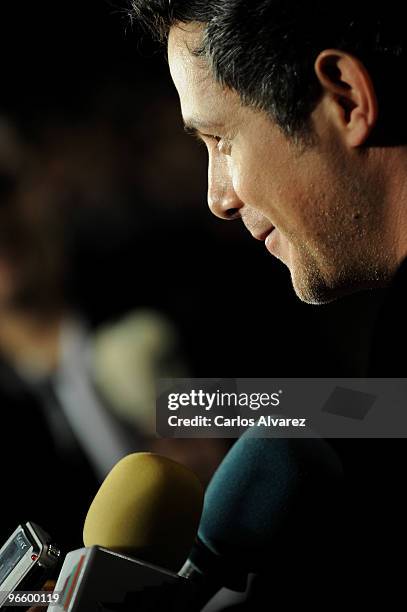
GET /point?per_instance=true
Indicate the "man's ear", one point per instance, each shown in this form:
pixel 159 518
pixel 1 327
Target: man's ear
pixel 350 94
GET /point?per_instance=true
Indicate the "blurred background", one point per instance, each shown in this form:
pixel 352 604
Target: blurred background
pixel 113 272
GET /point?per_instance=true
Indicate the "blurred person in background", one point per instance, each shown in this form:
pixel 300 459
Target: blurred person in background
pixel 77 376
pixel 56 426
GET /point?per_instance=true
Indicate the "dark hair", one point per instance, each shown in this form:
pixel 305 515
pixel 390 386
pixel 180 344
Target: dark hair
pixel 266 49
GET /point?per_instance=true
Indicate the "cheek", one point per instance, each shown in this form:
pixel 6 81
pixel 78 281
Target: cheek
pixel 287 186
pixel 272 187
pixel 250 178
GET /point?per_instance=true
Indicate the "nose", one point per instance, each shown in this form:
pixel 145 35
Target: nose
pixel 222 198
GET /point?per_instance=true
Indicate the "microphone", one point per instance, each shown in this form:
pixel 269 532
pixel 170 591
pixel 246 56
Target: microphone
pixel 149 506
pixel 268 497
pixel 138 532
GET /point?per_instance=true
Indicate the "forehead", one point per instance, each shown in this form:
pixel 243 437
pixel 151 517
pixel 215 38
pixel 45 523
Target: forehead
pixel 202 98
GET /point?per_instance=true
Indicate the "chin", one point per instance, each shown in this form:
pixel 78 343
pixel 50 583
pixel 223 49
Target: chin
pixel 315 295
pixel 309 283
pixel 312 287
pixel 321 281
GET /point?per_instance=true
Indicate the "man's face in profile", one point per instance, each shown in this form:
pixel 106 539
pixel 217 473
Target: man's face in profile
pixel 316 205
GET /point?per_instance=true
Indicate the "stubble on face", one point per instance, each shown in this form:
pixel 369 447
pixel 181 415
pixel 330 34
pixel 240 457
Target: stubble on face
pixel 346 245
pixel 336 241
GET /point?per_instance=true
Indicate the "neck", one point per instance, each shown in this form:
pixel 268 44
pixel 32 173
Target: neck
pixel 395 173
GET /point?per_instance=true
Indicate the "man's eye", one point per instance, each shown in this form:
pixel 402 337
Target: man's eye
pixel 222 144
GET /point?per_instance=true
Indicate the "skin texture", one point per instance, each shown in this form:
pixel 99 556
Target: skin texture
pixel 337 205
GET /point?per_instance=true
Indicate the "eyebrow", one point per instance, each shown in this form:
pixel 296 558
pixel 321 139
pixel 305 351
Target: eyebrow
pixel 193 126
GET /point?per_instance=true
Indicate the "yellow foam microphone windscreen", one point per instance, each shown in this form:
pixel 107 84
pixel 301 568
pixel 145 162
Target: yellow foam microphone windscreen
pixel 148 507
